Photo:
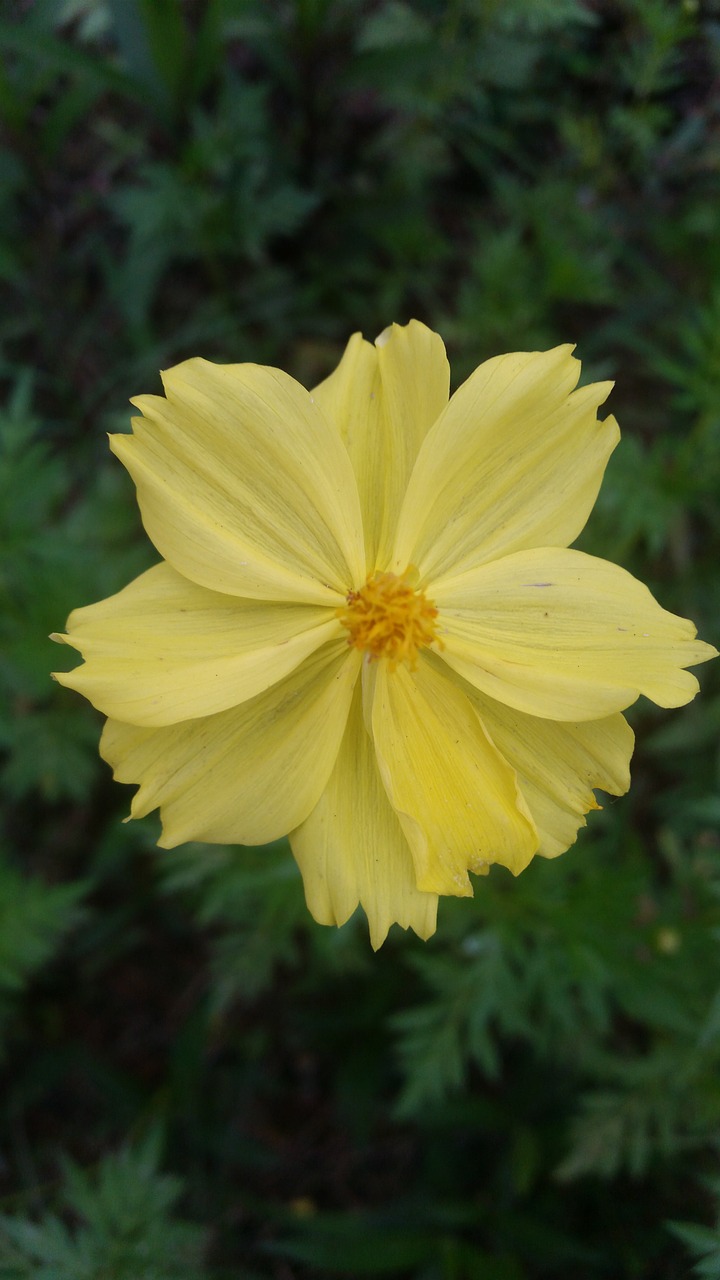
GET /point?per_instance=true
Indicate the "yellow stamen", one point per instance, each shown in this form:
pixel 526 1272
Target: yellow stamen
pixel 388 618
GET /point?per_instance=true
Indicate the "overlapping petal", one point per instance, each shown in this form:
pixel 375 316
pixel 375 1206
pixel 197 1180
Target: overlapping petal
pixel 515 461
pixel 559 764
pixel 351 848
pixel 383 399
pixel 243 485
pixel 165 650
pixel 247 775
pixel 456 797
pixel 563 635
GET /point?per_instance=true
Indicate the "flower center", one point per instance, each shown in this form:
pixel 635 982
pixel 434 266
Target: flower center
pixel 388 618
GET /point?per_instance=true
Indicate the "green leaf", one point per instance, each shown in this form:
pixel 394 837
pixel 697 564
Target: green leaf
pixel 125 1228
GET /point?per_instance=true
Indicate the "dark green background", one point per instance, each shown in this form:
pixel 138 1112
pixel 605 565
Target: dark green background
pixel 197 1081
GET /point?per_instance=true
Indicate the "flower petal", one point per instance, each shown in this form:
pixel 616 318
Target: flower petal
pixel 456 797
pixel 559 764
pixel 247 775
pixel 351 848
pixel 563 635
pixel 243 485
pixel 515 461
pixel 165 650
pixel 384 399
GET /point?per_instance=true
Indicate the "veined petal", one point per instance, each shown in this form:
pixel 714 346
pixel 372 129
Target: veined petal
pixel 383 399
pixel 244 487
pixel 351 848
pixel 563 635
pixel 559 764
pixel 515 461
pixel 165 650
pixel 247 775
pixel 457 799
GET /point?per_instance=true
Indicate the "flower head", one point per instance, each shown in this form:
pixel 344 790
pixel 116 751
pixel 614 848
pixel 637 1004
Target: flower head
pixel 367 629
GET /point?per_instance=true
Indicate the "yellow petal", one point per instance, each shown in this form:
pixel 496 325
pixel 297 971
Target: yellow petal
pixel 383 399
pixel 456 797
pixel 165 650
pixel 515 461
pixel 559 764
pixel 563 635
pixel 351 848
pixel 243 485
pixel 247 775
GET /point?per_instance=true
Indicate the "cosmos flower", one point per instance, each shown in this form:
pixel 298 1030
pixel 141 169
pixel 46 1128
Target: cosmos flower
pixel 367 629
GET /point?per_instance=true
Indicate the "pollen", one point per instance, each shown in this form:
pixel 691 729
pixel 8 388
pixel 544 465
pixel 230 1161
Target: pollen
pixel 389 618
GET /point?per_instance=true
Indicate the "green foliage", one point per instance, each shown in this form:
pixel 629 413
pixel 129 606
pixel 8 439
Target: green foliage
pixel 533 1093
pixel 245 897
pixel 702 1242
pixel 124 1227
pixel 34 917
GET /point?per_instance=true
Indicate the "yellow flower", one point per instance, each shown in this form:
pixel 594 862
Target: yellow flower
pixel 367 630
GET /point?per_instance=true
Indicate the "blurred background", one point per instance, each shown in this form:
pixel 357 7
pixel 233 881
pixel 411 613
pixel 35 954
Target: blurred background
pixel 198 1082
